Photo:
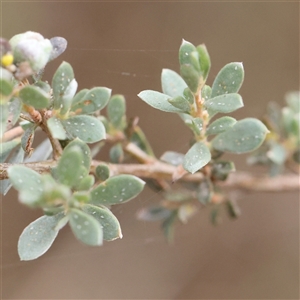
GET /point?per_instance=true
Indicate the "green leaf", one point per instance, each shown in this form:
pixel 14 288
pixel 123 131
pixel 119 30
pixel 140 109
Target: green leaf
pixel 168 226
pixel 204 60
pixel 116 153
pixel 117 189
pixel 191 77
pixel 186 52
pixel 86 228
pixel 38 237
pixel 6 148
pixel 172 83
pixel 110 224
pixel 87 128
pixel 91 101
pixel 244 136
pixel 293 100
pixel 86 183
pixel 228 80
pixel 197 125
pixel 6 87
pixel 139 138
pixel 102 172
pixel 116 110
pixel 181 103
pixel 68 171
pixel 43 85
pixel 158 101
pixel 67 98
pixel 56 128
pixel 27 182
pixel 173 158
pixel 220 125
pixel 277 153
pixel 189 96
pixel 224 103
pixel 34 96
pixel 61 79
pixel 221 169
pixel 206 92
pixel 14 109
pixel 197 157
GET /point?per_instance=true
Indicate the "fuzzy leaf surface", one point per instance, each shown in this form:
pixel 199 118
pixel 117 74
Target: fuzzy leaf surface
pixel 172 83
pixel 220 125
pixel 85 227
pixel 244 136
pixel 197 157
pixel 110 224
pixel 34 96
pixel 38 237
pixel 116 110
pixel 116 190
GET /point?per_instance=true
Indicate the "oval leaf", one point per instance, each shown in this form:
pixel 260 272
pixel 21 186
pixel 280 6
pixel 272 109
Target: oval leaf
pixel 173 158
pixel 6 148
pixel 245 136
pixel 220 125
pixel 197 157
pixel 59 45
pixel 34 96
pixel 224 103
pixel 38 237
pixel 117 189
pixel 91 101
pixel 87 128
pixel 56 128
pixel 102 172
pixel 27 182
pixel 86 228
pixel 228 80
pixel 204 60
pixel 110 224
pixel 172 83
pixel 116 110
pixel 158 101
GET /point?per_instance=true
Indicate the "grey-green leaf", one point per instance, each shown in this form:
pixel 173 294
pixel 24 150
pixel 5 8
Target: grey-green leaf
pixel 116 110
pixel 244 136
pixel 181 103
pixel 117 189
pixel 38 237
pixel 224 103
pixel 173 158
pixel 158 101
pixel 7 147
pixel 102 172
pixel 204 60
pixel 87 128
pixel 93 100
pixel 86 228
pixel 27 182
pixel 56 128
pixel 197 157
pixel 110 224
pixel 191 77
pixel 172 83
pixel 34 96
pixel 220 125
pixel 14 110
pixel 61 79
pixel 228 80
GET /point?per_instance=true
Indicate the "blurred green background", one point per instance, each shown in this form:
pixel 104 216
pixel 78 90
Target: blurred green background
pixel 124 46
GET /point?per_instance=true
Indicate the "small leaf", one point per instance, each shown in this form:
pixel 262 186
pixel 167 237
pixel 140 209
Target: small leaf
pixel 172 83
pixel 86 183
pixel 6 87
pixel 185 54
pixel 197 125
pixel 139 138
pixel 173 158
pixel 204 60
pixel 116 154
pixel 110 224
pixel 220 125
pixel 189 96
pixel 6 148
pixel 228 80
pixel 221 169
pixel 181 103
pixel 61 79
pixel 85 150
pixel 224 103
pixel 117 189
pixel 38 237
pixel 91 101
pixel 43 85
pixel 206 92
pixel 102 172
pixel 277 153
pixel 27 182
pixel 244 136
pixel 41 152
pixel 14 110
pixel 168 226
pixel 116 110
pixel 67 98
pixel 56 128
pixel 191 77
pixel 205 191
pixel 34 96
pixel 87 128
pixel 68 171
pixel 59 45
pixel 197 157
pixel 153 213
pixel 85 228
pixel 158 101
pixel 233 210
pixel 178 195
